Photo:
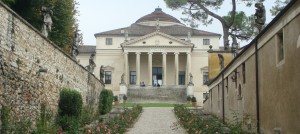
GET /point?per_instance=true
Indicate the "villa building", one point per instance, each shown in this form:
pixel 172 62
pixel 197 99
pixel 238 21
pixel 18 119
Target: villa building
pixel 155 50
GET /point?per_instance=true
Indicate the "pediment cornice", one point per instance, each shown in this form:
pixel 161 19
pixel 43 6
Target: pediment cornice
pixel 184 43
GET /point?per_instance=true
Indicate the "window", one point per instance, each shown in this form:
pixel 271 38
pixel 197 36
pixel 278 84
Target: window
pixel 206 42
pixel 132 77
pixel 205 78
pixel 239 92
pixel 108 41
pixel 244 72
pixel 107 77
pixel 181 78
pixel 205 96
pixel 280 46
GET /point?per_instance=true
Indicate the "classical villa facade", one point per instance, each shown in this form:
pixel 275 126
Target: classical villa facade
pixel 156 49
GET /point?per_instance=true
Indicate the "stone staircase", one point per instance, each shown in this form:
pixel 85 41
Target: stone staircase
pixel 164 94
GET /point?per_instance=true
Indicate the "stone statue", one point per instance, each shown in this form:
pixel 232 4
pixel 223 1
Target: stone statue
pixel 75 44
pixel 189 37
pixel 101 73
pixel 122 79
pixel 221 61
pixel 157 25
pixel 191 79
pixel 92 64
pixel 47 12
pixel 260 15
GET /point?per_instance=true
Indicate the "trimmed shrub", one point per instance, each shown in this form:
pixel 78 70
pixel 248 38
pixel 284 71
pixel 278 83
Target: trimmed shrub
pixel 105 101
pixel 70 105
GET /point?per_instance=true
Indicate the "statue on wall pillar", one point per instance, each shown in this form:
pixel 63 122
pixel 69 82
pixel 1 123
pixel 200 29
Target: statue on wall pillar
pixel 76 42
pixel 47 21
pixel 92 64
pixel 101 73
pixel 122 79
pixel 260 15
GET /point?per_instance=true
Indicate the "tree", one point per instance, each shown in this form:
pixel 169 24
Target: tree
pixel 235 24
pixel 279 5
pixel 64 18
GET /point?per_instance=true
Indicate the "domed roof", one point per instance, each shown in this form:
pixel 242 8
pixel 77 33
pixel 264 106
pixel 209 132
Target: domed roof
pixel 158 14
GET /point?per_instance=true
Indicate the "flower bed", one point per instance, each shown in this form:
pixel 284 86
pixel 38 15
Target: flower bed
pixel 195 124
pixel 119 124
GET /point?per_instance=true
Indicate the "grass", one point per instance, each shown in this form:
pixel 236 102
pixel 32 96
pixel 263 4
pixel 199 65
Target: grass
pixel 152 105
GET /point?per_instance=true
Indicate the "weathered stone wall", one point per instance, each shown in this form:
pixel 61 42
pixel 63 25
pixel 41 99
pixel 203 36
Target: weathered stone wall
pixel 265 96
pixel 24 52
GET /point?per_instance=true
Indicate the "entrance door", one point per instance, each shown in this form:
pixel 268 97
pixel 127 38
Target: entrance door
pixel 156 75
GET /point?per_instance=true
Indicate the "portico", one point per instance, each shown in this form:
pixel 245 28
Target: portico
pixel 148 56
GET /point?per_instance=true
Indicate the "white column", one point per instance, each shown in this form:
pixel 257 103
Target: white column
pixel 189 66
pixel 138 76
pixel 126 68
pixel 176 68
pixel 164 68
pixel 150 67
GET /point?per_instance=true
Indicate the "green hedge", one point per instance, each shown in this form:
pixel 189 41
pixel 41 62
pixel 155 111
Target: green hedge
pixel 105 101
pixel 70 105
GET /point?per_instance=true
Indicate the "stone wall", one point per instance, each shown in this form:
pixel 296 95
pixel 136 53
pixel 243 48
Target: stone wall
pixel 24 52
pixel 257 88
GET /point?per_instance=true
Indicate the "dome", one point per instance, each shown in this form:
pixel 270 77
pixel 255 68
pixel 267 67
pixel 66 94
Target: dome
pixel 158 14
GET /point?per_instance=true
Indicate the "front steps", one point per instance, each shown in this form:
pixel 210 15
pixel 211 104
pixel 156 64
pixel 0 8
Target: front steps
pixel 164 94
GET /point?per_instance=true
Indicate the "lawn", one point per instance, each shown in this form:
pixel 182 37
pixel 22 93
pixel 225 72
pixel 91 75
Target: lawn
pixel 152 104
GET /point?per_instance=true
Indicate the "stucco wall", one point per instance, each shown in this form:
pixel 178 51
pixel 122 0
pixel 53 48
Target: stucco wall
pixel 22 88
pixel 278 82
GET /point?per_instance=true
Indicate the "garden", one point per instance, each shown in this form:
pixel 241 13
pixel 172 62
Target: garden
pixel 203 124
pixel 74 118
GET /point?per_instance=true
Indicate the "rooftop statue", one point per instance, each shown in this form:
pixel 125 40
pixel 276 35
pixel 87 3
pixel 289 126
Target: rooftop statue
pixel 47 12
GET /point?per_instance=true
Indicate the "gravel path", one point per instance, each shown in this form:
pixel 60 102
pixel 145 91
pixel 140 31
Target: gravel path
pixel 156 121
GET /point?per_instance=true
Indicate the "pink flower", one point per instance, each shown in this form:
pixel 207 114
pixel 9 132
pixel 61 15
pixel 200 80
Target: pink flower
pixel 206 126
pixel 89 131
pixel 217 132
pixel 98 129
pixel 61 132
pixel 197 132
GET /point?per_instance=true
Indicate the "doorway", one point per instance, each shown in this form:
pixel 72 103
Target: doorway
pixel 156 76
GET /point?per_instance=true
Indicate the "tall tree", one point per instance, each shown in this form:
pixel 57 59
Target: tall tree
pixel 64 18
pixel 279 5
pixel 235 24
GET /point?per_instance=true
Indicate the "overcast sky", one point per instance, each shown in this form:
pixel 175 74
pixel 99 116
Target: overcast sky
pixel 102 15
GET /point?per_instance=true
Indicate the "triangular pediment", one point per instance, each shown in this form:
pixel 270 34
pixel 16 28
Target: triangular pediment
pixel 156 39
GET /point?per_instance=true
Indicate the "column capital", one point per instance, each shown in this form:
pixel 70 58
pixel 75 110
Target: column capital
pixel 188 53
pixel 176 53
pixel 164 53
pixel 150 52
pixel 125 52
pixel 137 52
